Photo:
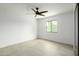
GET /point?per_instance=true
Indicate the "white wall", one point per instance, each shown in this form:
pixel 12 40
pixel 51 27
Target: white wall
pixel 15 25
pixel 65 32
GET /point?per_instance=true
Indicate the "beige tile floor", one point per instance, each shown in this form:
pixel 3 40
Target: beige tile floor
pixel 37 47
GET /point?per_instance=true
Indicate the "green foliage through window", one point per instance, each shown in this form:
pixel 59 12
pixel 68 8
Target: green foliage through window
pixel 51 26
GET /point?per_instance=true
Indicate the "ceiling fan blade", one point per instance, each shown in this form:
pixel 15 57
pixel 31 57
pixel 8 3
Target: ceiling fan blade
pixel 42 15
pixel 39 15
pixel 33 10
pixel 43 11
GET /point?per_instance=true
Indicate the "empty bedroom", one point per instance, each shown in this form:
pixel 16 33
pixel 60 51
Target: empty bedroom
pixel 38 29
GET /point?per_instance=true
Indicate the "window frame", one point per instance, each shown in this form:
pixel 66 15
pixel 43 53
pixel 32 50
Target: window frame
pixel 51 27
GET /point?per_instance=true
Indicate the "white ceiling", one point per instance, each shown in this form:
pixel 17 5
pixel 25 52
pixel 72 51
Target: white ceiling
pixel 53 8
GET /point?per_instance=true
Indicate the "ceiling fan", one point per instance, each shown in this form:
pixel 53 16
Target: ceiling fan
pixel 37 12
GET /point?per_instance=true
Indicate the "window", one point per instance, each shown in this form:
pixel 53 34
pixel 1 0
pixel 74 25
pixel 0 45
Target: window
pixel 51 26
